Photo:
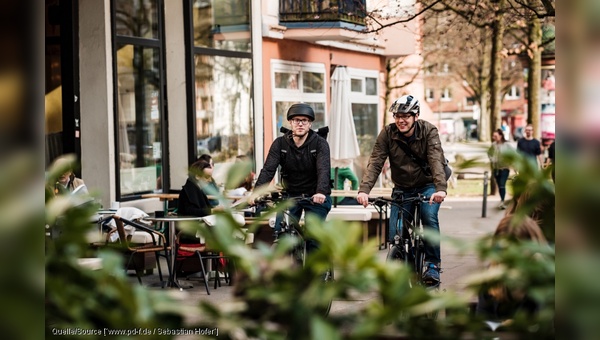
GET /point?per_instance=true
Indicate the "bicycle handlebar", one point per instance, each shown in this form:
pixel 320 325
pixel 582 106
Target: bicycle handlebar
pixel 381 201
pixel 277 197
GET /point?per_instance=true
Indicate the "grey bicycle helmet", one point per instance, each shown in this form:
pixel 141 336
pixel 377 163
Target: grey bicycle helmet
pixel 406 104
pixel 301 109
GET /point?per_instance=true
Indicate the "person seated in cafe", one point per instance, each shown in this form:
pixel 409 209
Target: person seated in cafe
pixel 193 200
pixel 68 183
pixel 498 302
pixel 214 188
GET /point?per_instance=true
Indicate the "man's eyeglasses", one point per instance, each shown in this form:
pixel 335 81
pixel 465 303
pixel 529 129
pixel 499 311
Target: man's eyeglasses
pixel 403 117
pixel 300 121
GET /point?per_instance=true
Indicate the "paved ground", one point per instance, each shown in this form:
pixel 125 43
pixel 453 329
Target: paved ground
pixel 460 219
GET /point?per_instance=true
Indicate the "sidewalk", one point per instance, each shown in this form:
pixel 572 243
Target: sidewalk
pixel 460 218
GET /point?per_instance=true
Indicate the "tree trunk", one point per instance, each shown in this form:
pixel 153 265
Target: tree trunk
pixel 496 67
pixel 484 115
pixel 534 79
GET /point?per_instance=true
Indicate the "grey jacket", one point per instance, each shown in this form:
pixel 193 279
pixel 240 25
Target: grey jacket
pixel 405 172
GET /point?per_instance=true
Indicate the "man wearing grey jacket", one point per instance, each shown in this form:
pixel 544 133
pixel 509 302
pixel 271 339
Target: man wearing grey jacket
pixel 422 138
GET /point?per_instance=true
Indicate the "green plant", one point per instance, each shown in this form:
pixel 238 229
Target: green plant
pixel 97 302
pixel 275 300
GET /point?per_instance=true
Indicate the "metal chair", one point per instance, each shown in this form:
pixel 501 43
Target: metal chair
pixel 157 246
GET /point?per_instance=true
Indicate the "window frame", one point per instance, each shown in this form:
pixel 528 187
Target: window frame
pixel 513 93
pixel 297 95
pixel 157 43
pixel 446 95
pixel 192 51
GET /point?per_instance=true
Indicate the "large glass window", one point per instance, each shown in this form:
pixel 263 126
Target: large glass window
pixel 137 18
pixel 224 122
pixel 365 104
pixel 139 70
pixel 222 78
pixel 298 82
pixel 222 24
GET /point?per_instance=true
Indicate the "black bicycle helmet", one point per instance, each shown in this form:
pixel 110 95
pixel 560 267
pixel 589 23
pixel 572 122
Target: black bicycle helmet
pixel 406 104
pixel 301 109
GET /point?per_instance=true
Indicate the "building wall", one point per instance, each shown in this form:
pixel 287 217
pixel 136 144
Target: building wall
pixel 300 51
pixel 96 96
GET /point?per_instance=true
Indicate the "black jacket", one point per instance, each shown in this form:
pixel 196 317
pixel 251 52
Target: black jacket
pixel 193 201
pixel 303 172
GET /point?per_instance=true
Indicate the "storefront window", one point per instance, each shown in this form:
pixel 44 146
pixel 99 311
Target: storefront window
pixel 137 18
pixel 139 127
pixel 222 24
pixel 224 120
pixel 139 100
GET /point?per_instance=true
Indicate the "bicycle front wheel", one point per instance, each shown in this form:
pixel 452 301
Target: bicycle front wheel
pixel 328 278
pixel 395 254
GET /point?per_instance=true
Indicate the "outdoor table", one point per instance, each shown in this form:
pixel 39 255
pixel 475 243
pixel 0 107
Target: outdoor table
pixel 172 221
pixel 164 197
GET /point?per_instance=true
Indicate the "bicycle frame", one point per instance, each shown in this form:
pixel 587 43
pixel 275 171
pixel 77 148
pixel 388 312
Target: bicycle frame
pixel 407 243
pixel 290 227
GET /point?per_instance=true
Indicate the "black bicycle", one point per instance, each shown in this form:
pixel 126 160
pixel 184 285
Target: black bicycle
pixel 407 245
pixel 288 226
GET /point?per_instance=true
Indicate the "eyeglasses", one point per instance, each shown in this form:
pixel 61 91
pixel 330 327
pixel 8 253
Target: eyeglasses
pixel 403 117
pixel 300 121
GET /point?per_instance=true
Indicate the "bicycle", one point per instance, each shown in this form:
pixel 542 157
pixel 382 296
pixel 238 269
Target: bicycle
pixel 289 227
pixel 408 245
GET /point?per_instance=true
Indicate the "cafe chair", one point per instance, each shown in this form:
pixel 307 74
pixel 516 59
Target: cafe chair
pixel 185 249
pixel 155 242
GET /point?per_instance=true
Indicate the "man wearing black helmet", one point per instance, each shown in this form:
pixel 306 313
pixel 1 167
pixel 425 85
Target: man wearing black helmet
pixel 305 163
pixel 422 138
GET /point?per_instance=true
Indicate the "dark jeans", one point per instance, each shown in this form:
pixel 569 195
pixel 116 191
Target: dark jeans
pixel 320 210
pixel 501 176
pixel 429 218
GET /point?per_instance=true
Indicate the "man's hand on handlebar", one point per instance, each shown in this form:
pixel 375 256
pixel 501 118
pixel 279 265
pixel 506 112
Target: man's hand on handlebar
pixel 363 198
pixel 318 198
pixel 437 197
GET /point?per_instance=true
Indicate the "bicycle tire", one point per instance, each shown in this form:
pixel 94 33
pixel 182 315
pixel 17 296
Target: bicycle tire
pixel 328 277
pixel 394 254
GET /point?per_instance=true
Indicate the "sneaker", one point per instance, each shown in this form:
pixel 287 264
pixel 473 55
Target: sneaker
pixel 502 206
pixel 432 273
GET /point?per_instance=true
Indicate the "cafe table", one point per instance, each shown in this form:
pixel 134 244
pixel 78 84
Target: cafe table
pixel 172 221
pixel 166 197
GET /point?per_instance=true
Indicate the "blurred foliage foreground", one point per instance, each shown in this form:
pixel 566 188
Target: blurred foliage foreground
pixel 273 299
